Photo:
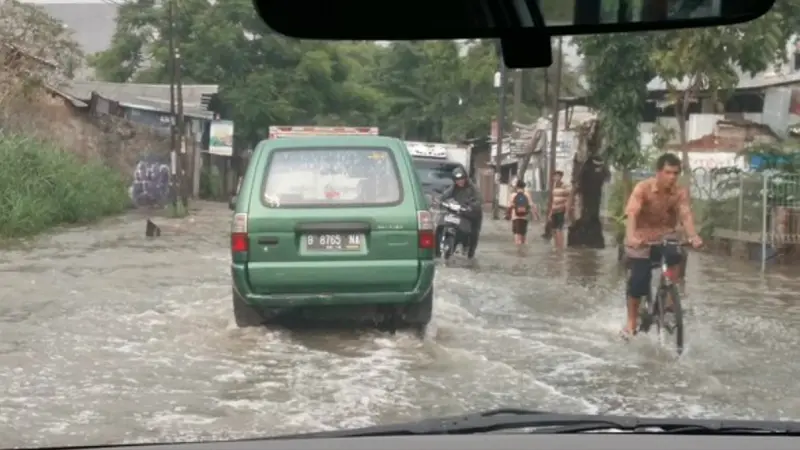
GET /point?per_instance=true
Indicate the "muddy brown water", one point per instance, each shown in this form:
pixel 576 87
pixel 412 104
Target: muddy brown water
pixel 108 337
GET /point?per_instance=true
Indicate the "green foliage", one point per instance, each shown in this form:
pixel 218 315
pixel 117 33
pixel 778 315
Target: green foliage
pixel 616 206
pixel 711 59
pixel 42 186
pixel 781 163
pixel 433 90
pixel 211 183
pixel 618 68
pixel 177 210
pixel 617 71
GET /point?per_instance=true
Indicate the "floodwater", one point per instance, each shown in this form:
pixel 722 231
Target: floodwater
pixel 108 337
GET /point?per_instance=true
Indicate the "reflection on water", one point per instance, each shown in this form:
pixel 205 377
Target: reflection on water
pixel 583 267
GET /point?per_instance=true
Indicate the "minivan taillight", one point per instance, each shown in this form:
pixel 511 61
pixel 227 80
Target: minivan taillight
pixel 239 240
pixel 426 230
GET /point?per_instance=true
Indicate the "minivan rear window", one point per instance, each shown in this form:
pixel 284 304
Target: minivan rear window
pixel 331 176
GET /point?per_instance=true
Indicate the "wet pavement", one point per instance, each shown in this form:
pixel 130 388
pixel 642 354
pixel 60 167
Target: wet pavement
pixel 107 337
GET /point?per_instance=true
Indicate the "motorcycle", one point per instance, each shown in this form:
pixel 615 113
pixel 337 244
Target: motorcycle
pixel 456 228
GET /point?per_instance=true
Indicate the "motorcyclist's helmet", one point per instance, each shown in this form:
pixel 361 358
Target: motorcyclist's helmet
pixel 459 174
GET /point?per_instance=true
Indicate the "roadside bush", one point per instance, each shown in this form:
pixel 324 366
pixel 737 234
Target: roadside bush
pixel 616 206
pixel 211 183
pixel 42 186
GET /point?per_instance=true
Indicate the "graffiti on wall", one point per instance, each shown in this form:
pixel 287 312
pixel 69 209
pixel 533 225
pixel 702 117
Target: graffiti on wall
pixel 151 183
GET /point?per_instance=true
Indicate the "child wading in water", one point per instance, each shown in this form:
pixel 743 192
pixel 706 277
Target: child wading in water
pixel 520 210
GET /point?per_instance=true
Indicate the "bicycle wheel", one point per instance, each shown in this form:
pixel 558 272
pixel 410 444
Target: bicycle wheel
pixel 646 313
pixel 673 327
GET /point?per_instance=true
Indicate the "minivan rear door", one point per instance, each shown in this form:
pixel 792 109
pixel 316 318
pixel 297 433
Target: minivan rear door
pixel 333 219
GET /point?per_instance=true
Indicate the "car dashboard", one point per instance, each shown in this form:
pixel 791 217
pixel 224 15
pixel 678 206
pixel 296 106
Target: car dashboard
pixel 503 441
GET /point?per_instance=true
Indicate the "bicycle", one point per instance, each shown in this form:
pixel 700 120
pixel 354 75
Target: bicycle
pixel 654 309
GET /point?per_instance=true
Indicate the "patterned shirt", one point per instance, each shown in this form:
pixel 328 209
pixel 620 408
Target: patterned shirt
pixel 560 197
pixel 659 209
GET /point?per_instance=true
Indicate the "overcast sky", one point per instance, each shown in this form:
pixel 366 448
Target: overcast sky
pixel 65 1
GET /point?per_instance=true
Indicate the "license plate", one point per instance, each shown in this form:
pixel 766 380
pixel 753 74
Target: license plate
pixel 334 242
pixel 452 218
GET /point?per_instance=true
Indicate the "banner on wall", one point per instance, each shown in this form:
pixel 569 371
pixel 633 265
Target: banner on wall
pixel 220 140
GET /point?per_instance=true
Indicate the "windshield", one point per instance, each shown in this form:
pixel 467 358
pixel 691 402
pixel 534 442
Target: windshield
pixel 326 177
pixel 155 287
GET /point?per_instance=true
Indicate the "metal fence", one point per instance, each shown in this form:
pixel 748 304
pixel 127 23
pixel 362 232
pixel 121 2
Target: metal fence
pixel 757 211
pixel 754 214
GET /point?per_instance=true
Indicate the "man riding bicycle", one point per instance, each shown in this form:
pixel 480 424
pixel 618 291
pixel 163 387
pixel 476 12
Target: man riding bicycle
pixel 655 208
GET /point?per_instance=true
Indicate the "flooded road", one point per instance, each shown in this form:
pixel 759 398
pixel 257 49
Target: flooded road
pixel 107 337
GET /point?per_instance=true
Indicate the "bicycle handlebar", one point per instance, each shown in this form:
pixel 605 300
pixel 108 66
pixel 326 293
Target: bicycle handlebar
pixel 679 243
pixel 673 242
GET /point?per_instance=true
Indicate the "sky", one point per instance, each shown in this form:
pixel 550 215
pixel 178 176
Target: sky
pixel 65 1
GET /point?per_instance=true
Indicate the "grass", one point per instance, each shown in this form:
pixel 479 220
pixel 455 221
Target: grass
pixel 42 186
pixel 177 210
pixel 211 183
pixel 616 207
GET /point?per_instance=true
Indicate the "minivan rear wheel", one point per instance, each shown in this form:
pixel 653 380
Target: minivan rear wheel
pixel 418 315
pixel 244 314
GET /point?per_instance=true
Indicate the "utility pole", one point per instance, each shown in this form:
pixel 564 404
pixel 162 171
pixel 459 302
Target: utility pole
pixel 178 134
pixel 501 126
pixel 184 158
pixel 553 132
pixel 174 158
pixel 554 114
pixel 545 107
pixel 518 77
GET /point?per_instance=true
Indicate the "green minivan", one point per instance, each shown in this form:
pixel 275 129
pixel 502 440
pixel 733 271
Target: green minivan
pixel 333 227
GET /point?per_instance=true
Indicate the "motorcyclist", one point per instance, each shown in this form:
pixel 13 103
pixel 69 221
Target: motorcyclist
pixel 465 193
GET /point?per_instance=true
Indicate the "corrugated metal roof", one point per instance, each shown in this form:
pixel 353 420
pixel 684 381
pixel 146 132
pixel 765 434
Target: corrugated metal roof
pixel 146 96
pixel 760 81
pixel 746 82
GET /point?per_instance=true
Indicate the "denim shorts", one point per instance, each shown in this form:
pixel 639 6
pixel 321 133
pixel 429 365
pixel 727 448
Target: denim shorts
pixel 640 274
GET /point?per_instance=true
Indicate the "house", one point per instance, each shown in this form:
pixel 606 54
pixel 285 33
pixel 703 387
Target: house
pixel 149 104
pixel 771 98
pixel 516 151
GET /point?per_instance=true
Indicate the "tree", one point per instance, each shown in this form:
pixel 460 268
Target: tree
pixel 617 71
pixel 29 29
pixel 691 61
pixel 434 91
pixel 264 78
pixel 711 60
pixel 421 84
pixel 35 50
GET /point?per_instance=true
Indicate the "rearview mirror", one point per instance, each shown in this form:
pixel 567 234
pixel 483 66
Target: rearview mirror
pixel 232 202
pixel 464 19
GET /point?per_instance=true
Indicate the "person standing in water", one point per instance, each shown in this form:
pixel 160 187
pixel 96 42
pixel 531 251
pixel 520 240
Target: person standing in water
pixel 560 202
pixel 520 209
